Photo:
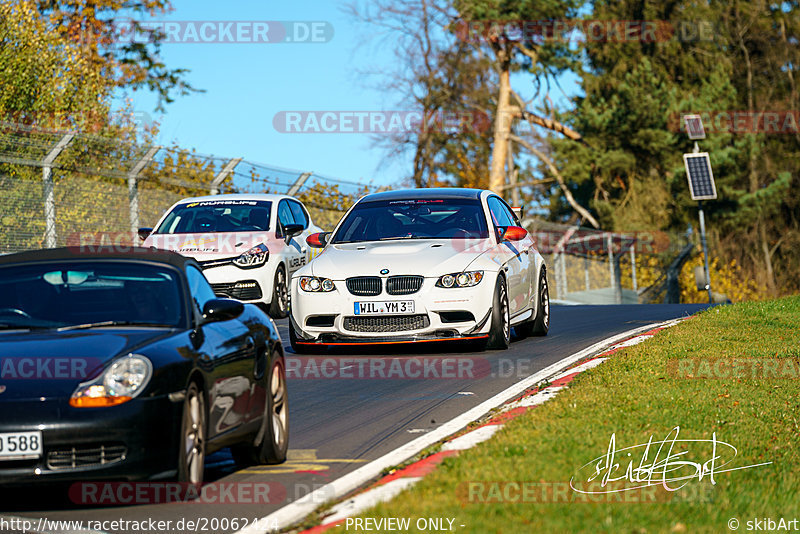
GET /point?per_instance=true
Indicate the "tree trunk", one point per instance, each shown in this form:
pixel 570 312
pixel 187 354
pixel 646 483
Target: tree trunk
pixel 502 125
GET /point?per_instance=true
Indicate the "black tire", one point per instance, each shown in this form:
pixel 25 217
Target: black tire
pixel 192 443
pixel 296 347
pixel 279 306
pixel 542 322
pixel 500 331
pixel 272 440
pixel 539 324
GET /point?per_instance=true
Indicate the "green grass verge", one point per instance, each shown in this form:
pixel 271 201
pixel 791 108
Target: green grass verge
pixel 637 394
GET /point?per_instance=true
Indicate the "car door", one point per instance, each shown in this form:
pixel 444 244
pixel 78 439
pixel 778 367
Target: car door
pixel 514 255
pixel 301 217
pixel 294 251
pixel 226 357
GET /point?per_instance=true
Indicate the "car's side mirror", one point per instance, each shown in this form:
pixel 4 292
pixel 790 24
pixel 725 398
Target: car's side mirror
pixel 144 233
pixel 291 230
pixel 318 240
pixel 222 310
pixel 511 233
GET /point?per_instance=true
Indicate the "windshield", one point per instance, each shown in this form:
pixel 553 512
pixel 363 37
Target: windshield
pixel 413 219
pixel 57 295
pixel 217 216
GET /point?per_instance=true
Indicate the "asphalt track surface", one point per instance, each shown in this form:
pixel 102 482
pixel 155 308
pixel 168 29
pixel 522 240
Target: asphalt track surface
pixel 338 423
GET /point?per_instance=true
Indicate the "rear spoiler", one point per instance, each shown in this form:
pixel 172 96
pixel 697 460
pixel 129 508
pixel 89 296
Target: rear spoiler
pixel 518 210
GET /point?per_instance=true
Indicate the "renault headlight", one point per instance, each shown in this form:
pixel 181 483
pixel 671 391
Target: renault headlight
pixel 255 257
pixel 465 279
pixel 125 379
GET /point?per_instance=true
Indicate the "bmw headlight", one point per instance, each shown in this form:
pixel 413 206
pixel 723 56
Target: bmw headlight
pixel 314 284
pixel 255 257
pixel 121 382
pixel 465 279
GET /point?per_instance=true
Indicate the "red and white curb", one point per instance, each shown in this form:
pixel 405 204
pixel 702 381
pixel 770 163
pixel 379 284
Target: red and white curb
pixel 525 395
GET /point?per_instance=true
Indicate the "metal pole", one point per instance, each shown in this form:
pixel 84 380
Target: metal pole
pixel 49 195
pixel 705 249
pixel 133 187
pixel 218 179
pixel 298 183
pixel 633 266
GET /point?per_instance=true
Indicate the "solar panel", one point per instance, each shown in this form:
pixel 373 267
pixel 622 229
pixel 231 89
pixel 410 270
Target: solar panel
pixel 701 179
pixel 694 126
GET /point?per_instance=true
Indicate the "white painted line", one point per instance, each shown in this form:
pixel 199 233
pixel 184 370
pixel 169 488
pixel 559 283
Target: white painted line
pixel 630 342
pixel 297 510
pixel 471 439
pixel 368 499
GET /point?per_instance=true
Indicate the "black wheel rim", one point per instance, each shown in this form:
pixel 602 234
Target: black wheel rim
pixel 280 413
pixel 194 438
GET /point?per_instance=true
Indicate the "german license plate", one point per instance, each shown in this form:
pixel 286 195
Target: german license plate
pixel 20 445
pixel 384 307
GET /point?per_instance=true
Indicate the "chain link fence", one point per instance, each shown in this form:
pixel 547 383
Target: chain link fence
pixel 59 183
pixel 589 266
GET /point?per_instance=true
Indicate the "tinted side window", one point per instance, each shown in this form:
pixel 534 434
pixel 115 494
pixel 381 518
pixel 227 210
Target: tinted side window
pixel 501 215
pixel 199 288
pixel 299 213
pixel 285 213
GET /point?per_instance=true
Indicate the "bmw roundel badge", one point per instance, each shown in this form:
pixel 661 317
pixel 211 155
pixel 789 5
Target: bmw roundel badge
pixel 384 271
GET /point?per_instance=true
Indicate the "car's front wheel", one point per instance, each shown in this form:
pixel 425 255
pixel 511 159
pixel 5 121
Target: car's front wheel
pixel 272 440
pixel 192 453
pixel 500 331
pixel 279 307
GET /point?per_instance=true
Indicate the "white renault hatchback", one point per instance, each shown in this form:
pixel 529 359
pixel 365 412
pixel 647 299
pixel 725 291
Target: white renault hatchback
pixel 248 245
pixel 421 265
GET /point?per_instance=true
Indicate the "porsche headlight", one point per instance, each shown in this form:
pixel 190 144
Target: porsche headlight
pixel 465 279
pixel 255 257
pixel 121 382
pixel 314 284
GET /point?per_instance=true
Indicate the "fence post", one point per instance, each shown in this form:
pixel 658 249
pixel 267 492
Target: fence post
pixel 219 178
pixel 133 187
pixel 49 196
pixel 298 183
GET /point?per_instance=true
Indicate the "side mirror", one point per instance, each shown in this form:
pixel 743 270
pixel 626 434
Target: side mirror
pixel 291 230
pixel 222 310
pixel 144 233
pixel 318 240
pixel 511 233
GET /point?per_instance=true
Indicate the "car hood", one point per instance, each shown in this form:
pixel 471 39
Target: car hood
pixel 220 245
pixel 429 258
pixel 50 364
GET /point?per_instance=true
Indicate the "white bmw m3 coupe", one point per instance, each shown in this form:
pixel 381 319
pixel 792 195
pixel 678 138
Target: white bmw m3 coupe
pixel 421 265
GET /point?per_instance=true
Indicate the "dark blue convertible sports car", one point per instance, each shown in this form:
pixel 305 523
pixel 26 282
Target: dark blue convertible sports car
pixel 126 366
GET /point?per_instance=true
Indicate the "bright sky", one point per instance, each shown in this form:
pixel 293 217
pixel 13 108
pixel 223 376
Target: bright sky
pixel 248 84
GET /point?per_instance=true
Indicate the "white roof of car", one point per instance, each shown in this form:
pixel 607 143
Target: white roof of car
pixel 234 196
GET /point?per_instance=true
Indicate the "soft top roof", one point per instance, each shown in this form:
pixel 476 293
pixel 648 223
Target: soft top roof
pixel 97 253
